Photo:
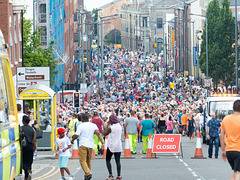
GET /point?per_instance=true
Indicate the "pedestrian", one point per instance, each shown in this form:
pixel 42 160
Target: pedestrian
pixel 213 135
pixel 184 120
pixel 146 127
pixel 63 146
pixel 48 126
pixel 28 146
pixel 131 127
pixel 72 124
pixel 139 134
pixel 162 124
pixel 100 124
pixel 85 132
pixel 230 140
pixel 114 146
pixel 191 124
pixel 20 114
pixel 169 125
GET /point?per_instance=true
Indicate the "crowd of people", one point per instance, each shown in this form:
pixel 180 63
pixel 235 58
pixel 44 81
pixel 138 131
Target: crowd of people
pixel 139 98
pixel 135 101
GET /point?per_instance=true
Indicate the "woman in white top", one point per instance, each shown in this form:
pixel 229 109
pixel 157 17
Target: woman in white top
pixel 114 146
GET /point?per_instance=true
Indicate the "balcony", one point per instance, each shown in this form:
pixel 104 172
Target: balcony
pixel 18 6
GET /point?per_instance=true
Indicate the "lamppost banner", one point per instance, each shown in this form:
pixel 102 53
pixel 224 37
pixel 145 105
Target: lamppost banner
pixel 195 56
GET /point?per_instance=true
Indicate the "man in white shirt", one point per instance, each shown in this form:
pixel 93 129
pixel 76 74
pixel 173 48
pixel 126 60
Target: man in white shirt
pixel 85 132
pixel 20 114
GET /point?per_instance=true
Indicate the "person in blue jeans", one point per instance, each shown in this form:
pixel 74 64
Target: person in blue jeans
pixel 213 135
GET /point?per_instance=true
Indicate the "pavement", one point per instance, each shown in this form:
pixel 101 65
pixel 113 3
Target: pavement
pixel 45 167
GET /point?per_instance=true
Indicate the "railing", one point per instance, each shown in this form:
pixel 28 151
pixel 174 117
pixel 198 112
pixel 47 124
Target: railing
pixel 61 53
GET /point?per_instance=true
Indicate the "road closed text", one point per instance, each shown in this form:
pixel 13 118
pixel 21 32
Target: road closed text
pixel 164 143
pixel 166 147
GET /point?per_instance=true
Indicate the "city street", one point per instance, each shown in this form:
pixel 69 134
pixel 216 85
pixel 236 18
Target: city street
pixel 164 167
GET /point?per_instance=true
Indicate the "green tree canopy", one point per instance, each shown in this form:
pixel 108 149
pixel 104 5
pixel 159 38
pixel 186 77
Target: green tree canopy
pixel 95 13
pixel 110 37
pixel 34 55
pixel 220 40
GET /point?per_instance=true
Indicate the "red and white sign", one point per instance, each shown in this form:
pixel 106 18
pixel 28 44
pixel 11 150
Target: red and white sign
pixel 166 143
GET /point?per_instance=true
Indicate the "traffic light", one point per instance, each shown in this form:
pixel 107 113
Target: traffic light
pixel 234 90
pixel 76 100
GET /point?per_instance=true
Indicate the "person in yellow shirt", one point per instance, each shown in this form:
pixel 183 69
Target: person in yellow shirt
pixel 230 140
pixel 72 123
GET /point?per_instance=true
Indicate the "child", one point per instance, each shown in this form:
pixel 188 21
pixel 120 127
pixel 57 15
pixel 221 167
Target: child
pixel 63 146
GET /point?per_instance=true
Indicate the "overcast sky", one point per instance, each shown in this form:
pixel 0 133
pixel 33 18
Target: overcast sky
pixel 90 4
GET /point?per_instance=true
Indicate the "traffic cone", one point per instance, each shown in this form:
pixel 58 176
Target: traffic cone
pixel 127 151
pixel 105 147
pixel 149 149
pixel 93 154
pixel 75 150
pixel 198 152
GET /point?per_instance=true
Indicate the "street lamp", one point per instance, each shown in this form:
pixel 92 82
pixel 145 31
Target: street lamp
pixel 206 40
pixel 102 18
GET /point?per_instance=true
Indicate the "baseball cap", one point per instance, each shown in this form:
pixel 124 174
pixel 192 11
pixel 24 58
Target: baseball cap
pixel 61 130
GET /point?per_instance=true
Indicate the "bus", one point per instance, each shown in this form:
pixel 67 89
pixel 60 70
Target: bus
pixel 221 105
pixel 10 149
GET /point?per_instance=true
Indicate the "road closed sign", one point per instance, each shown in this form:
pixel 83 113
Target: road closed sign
pixel 166 143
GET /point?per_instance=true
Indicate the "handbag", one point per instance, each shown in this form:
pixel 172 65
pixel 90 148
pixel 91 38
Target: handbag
pixel 39 134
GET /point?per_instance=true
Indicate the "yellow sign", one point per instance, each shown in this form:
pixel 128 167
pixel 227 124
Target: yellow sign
pixel 34 93
pixel 155 45
pixel 173 39
pixel 85 59
pixel 185 73
pixel 94 46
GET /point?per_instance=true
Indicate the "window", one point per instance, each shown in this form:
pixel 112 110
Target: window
pixel 144 21
pixel 3 97
pixel 159 23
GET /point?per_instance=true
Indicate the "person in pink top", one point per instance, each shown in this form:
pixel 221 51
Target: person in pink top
pixel 100 124
pixel 169 125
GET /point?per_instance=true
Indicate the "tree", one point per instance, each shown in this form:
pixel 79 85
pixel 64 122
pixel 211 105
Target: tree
pixel 95 13
pixel 226 40
pixel 213 14
pixel 220 40
pixel 110 37
pixel 33 54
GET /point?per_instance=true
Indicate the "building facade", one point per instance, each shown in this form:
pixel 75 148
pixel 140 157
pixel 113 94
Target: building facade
pixel 110 9
pixel 10 16
pixel 150 24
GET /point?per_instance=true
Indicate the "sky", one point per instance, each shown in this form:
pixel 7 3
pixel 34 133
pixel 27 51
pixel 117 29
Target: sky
pixel 90 4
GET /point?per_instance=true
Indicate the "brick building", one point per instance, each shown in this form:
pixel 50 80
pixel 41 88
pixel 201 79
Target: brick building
pixel 109 9
pixel 10 24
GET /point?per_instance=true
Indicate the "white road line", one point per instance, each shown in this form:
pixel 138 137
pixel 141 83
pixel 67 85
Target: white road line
pixel 76 171
pixel 180 160
pixel 185 164
pixel 189 169
pixel 194 174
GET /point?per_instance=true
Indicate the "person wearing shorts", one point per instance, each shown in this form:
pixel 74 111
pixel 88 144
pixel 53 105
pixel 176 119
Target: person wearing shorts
pixel 230 140
pixel 63 146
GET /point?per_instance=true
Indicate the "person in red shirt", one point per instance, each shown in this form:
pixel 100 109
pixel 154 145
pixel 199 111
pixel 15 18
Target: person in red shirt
pixel 100 124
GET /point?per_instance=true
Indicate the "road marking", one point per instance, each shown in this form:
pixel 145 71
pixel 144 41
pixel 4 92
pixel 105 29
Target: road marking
pixel 194 174
pixel 189 169
pixel 76 171
pixel 46 175
pixel 185 164
pixel 180 160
